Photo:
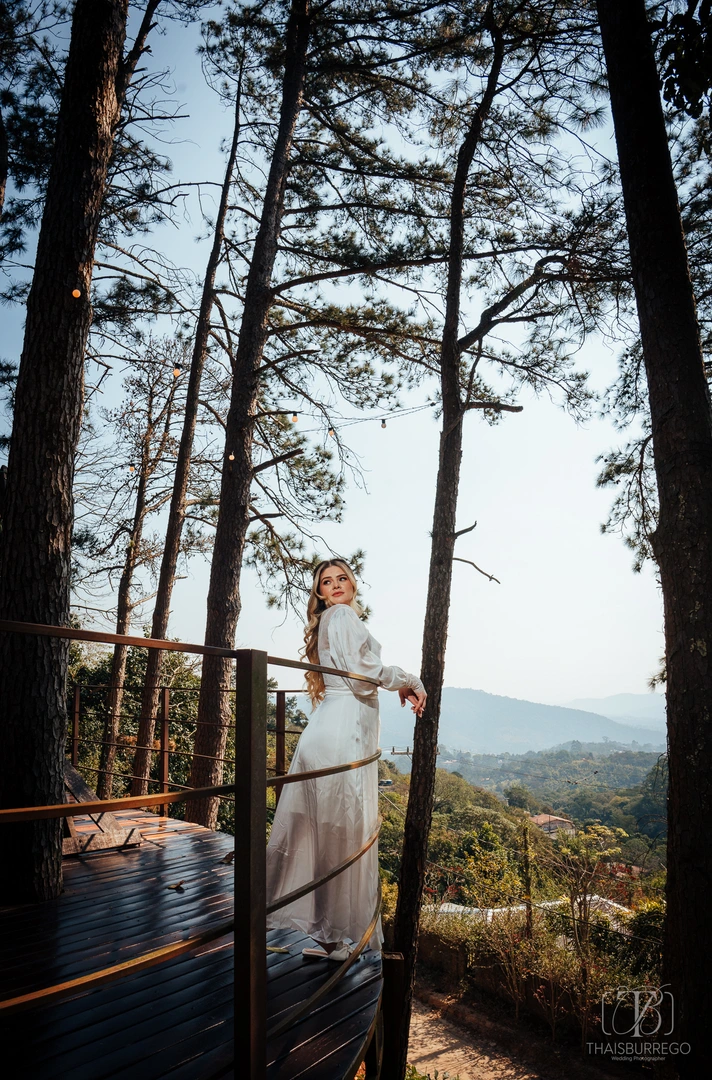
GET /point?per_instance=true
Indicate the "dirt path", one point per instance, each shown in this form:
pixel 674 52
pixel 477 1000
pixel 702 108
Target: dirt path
pixel 461 1041
pixel 436 1043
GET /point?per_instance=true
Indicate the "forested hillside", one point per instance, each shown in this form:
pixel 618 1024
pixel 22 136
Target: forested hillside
pixel 623 788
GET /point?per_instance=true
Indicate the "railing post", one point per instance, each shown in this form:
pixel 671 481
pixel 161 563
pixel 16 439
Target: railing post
pixel 250 843
pixel 165 752
pixel 75 724
pixel 280 762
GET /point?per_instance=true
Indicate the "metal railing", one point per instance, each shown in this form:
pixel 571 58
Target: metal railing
pixel 250 907
pixel 162 745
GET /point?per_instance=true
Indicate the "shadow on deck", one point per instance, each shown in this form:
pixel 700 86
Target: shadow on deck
pixel 176 1019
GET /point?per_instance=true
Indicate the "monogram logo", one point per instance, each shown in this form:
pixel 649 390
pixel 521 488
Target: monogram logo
pixel 639 1013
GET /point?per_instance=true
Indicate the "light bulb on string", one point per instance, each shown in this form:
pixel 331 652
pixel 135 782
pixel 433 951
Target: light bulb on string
pixel 76 293
pixel 383 423
pixel 230 457
pixel 177 370
pixel 295 417
pixel 132 467
pixel 332 432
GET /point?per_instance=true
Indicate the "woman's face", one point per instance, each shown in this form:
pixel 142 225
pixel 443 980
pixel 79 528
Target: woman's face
pixel 335 587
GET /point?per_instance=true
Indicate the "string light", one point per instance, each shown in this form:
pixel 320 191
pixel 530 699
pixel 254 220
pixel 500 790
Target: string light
pixel 132 467
pixel 230 457
pixel 177 370
pixel 345 422
pixel 76 293
pixel 295 417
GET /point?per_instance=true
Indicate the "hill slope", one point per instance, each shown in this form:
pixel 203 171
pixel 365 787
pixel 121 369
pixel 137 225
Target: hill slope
pixel 641 709
pixel 488 724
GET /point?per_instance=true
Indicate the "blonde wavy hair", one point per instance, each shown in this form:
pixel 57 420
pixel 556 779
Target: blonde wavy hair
pixel 316 606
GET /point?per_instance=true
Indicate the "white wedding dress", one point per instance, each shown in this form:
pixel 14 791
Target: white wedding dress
pixel 320 822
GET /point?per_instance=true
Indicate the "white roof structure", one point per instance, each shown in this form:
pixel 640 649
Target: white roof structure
pixel 598 903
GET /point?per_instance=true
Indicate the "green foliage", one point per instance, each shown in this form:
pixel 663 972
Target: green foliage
pixel 620 788
pixel 641 951
pixel 90 668
pixel 31 63
pixel 685 53
pixel 475 846
pixel 569 953
pixel 520 796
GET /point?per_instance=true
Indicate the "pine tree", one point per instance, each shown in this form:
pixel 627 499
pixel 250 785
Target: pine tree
pixel 36 537
pixel 178 504
pixel 554 279
pixel 341 190
pixel 120 485
pixel 681 429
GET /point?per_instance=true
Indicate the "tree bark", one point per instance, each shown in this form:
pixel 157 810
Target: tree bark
pixel 437 609
pixel 682 444
pixel 35 557
pixel 224 589
pixel 177 509
pixel 4 161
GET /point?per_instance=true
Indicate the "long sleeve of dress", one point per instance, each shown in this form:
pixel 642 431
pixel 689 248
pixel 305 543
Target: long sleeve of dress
pixel 348 643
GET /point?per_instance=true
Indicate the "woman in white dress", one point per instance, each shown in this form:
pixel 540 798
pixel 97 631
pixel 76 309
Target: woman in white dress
pixel 320 822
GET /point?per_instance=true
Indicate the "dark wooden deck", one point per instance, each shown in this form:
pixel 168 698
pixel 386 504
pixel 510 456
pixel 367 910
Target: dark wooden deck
pixel 173 1020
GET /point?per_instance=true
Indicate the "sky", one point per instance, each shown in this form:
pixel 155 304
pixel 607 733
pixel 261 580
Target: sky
pixel 569 618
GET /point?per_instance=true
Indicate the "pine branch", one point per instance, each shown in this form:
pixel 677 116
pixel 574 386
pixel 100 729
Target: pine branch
pixel 469 562
pixel 276 460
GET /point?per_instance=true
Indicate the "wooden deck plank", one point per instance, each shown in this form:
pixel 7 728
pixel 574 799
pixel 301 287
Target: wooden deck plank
pixel 359 978
pixel 68 963
pixel 181 1039
pixel 175 1020
pixel 123 916
pixel 150 865
pixel 214 1065
pixel 326 1044
pixel 138 998
pixel 107 1039
pixel 204 881
pixel 201 877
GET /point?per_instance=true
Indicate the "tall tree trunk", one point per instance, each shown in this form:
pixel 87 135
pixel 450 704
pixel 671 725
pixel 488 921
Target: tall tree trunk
pixel 4 161
pixel 682 443
pixel 123 623
pixel 176 512
pixel 224 590
pixel 437 609
pixel 35 558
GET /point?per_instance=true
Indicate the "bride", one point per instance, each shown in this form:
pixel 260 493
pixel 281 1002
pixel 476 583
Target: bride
pixel 320 822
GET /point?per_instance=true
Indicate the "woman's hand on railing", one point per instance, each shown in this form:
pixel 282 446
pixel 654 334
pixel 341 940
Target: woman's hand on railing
pixel 415 698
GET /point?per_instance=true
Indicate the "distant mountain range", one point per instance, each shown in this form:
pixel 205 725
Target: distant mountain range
pixel 488 724
pixel 645 709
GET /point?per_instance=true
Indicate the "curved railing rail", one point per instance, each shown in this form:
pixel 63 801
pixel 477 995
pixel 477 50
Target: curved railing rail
pixel 250 828
pixel 313 774
pixel 50 995
pixel 100 806
pixel 311 1002
pixel 41 630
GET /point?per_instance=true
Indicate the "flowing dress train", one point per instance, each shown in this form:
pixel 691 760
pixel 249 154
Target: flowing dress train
pixel 320 822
